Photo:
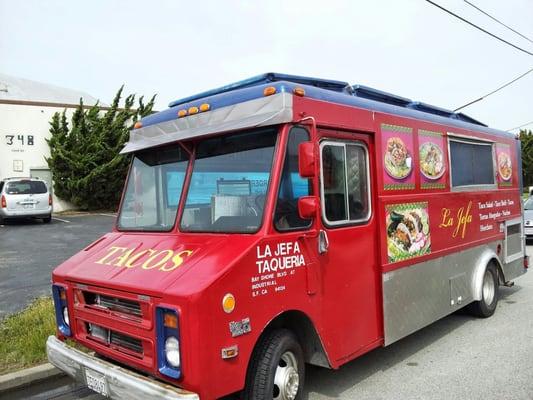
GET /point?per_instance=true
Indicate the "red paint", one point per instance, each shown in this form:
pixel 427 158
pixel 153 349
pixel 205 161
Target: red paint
pixel 339 291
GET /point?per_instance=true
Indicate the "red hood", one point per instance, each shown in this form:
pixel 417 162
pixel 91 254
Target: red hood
pixel 154 263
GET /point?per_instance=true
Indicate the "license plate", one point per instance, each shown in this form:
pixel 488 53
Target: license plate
pixel 29 206
pixel 96 382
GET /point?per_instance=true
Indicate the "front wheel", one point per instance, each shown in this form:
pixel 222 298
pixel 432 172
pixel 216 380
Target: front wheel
pixel 485 307
pixel 277 368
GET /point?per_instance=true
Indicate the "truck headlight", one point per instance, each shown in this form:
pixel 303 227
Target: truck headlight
pixel 172 351
pixel 65 316
pixel 168 344
pixel 59 293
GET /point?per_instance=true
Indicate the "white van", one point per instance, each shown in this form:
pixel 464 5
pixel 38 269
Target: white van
pixel 25 198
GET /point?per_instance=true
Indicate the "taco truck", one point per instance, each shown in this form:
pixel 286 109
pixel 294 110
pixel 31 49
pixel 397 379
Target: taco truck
pixel 285 220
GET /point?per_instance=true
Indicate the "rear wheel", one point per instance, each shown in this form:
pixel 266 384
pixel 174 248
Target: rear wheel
pixel 277 368
pixel 485 307
pixel 47 220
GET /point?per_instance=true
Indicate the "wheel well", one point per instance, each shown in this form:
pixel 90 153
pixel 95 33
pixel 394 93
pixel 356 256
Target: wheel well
pixel 302 326
pixel 501 276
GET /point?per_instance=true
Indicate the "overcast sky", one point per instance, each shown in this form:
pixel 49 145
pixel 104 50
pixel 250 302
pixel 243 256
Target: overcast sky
pixel 179 48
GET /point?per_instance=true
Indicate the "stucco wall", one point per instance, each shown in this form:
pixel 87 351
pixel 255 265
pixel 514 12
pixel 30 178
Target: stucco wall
pixel 23 130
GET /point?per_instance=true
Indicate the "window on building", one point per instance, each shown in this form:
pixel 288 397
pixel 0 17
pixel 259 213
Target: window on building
pixel 292 186
pixel 471 163
pixel 345 186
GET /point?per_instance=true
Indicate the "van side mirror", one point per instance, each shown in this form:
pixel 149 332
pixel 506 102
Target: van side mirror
pixel 307 207
pixel 306 160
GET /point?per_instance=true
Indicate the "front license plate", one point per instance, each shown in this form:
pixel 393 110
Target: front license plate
pixel 96 382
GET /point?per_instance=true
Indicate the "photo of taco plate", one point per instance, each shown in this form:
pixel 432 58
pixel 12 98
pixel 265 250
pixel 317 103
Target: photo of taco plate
pixel 397 158
pixel 504 166
pixel 431 160
pixel 407 234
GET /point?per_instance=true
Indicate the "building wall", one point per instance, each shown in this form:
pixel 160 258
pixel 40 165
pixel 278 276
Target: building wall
pixel 23 130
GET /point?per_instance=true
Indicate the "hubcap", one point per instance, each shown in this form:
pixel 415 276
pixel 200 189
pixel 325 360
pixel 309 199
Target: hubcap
pixel 286 379
pixel 488 287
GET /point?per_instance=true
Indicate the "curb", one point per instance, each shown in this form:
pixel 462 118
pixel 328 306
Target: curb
pixel 28 376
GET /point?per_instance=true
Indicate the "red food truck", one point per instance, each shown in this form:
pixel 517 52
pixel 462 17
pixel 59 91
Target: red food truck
pixel 286 220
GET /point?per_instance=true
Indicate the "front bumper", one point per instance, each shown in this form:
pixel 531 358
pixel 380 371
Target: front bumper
pixel 121 383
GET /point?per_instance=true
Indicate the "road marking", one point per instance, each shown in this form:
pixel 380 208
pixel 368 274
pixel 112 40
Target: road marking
pixel 62 220
pixel 108 215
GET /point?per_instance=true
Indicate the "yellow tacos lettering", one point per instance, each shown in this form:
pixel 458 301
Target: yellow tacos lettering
pixel 164 260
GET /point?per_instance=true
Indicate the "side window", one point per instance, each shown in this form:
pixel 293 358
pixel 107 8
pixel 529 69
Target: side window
pixel 292 186
pixel 471 163
pixel 345 187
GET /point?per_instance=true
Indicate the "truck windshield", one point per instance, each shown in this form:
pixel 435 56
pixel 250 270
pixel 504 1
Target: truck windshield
pixel 153 190
pixel 229 182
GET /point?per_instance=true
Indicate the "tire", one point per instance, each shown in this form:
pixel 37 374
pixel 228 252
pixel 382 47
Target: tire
pixel 277 368
pixel 47 220
pixel 485 307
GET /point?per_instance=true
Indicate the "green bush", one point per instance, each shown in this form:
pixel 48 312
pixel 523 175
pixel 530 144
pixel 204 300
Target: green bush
pixel 86 166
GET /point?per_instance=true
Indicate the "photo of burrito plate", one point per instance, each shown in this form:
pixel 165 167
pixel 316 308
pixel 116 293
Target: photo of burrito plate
pixel 397 158
pixel 407 234
pixel 504 166
pixel 431 160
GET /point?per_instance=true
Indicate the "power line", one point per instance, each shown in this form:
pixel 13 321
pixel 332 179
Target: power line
pixel 495 90
pixel 521 126
pixel 497 20
pixel 478 27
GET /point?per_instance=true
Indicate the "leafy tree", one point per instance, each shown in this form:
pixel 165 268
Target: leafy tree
pixel 84 157
pixel 526 139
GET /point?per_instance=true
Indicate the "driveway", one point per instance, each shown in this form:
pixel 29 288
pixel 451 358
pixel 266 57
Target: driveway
pixel 30 250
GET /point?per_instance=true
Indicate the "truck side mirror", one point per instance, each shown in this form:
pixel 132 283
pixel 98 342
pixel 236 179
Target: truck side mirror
pixel 306 160
pixel 307 207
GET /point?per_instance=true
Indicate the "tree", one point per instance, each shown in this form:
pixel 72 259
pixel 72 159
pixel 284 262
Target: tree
pixel 526 140
pixel 86 166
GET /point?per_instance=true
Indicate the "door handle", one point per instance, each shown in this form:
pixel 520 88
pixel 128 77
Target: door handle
pixel 323 242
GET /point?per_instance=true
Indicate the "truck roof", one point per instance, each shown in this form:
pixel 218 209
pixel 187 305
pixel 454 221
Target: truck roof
pixel 167 127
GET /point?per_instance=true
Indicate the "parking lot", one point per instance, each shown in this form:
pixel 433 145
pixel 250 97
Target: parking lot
pixel 458 357
pixel 30 250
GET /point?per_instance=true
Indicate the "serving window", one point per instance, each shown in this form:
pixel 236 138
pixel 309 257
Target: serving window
pixel 471 164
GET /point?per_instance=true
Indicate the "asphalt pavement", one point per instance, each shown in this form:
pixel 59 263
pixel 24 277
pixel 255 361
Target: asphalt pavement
pixel 31 249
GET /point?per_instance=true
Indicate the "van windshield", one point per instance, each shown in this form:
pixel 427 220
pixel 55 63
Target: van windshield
pixel 153 190
pixel 229 182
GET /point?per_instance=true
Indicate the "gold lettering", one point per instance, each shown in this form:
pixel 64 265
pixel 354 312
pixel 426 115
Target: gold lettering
pixel 120 259
pixel 177 260
pixel 148 263
pixel 113 249
pixel 135 257
pixel 446 220
pixel 463 219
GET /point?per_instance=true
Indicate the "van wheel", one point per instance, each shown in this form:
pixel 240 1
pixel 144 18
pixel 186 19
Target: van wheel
pixel 485 307
pixel 277 368
pixel 47 220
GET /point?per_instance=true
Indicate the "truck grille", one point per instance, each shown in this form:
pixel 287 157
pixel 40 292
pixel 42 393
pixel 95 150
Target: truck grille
pixel 126 342
pixel 116 323
pixel 129 307
pixel 120 305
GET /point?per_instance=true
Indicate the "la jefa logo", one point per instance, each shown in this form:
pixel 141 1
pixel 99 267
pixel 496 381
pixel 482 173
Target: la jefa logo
pixel 458 222
pixel 163 260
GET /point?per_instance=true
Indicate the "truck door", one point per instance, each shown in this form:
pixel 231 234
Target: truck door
pixel 350 279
